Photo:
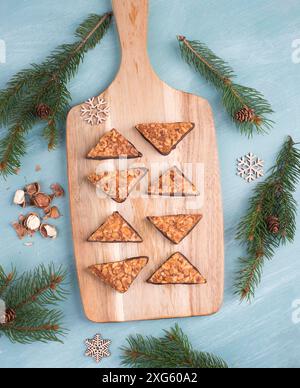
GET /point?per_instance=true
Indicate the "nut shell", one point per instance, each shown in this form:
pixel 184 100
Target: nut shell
pixel 19 198
pixel 32 222
pixel 41 200
pixel 20 229
pixel 52 212
pixel 57 190
pixel 33 189
pixel 48 231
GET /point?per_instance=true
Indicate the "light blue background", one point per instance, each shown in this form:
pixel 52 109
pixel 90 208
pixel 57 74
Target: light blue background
pixel 256 38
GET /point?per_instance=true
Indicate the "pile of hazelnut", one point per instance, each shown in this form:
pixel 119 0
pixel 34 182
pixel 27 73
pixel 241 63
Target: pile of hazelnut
pixel 31 223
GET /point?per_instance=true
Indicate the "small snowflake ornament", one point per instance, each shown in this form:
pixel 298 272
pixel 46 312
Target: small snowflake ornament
pixel 250 167
pixel 97 348
pixel 95 111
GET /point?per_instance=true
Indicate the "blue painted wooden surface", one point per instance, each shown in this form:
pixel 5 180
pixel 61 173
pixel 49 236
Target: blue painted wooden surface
pixel 256 38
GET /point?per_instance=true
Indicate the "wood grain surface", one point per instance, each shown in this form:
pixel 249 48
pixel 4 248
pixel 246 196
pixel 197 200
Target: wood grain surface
pixel 138 96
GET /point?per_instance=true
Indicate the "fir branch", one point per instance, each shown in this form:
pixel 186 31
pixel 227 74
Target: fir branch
pixel 43 286
pixel 171 351
pixel 44 84
pixel 13 92
pixel 28 297
pixel 236 98
pixel 35 325
pixel 51 134
pixel 6 280
pixel 272 198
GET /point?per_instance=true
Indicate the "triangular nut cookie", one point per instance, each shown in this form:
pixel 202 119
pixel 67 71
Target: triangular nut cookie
pixel 173 183
pixel 120 275
pixel 116 230
pixel 113 145
pixel 118 184
pixel 176 228
pixel 165 137
pixel 177 270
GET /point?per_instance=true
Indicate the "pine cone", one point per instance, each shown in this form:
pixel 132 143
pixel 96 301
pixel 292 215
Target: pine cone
pixel 273 224
pixel 43 111
pixel 10 315
pixel 3 166
pixel 245 115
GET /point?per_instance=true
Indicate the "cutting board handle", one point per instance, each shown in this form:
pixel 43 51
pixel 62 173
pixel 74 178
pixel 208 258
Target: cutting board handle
pixel 132 22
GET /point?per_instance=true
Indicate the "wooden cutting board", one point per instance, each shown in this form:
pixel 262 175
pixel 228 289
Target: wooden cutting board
pixel 137 95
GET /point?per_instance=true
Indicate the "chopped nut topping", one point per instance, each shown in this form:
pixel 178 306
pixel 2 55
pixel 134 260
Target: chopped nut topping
pixel 173 183
pixel 116 230
pixel 120 275
pixel 176 228
pixel 113 145
pixel 19 198
pixel 177 270
pixel 165 137
pixel 118 184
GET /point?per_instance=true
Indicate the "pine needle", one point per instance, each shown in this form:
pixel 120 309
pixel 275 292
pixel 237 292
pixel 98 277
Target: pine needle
pixel 236 98
pixel 272 198
pixel 44 84
pixel 173 350
pixel 29 297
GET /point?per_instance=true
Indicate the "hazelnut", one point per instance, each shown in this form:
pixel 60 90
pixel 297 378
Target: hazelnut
pixel 19 198
pixel 48 231
pixel 32 222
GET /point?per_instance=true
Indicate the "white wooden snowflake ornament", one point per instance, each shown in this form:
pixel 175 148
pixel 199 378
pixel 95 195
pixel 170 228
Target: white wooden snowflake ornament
pixel 250 167
pixel 97 348
pixel 95 111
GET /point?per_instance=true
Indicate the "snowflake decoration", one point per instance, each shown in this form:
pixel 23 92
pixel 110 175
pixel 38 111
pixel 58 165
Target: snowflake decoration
pixel 250 167
pixel 97 348
pixel 95 111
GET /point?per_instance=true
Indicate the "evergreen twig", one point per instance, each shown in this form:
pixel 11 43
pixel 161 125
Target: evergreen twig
pixel 272 198
pixel 28 297
pixel 6 280
pixel 236 98
pixel 44 84
pixel 173 350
